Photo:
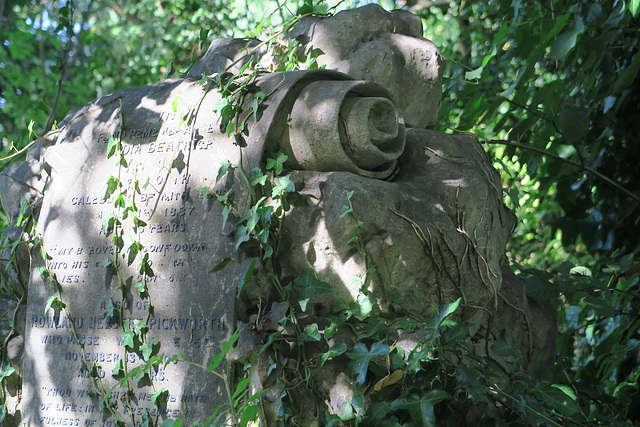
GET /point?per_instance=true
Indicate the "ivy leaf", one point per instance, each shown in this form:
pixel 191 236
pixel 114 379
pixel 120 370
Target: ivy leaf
pixel 240 388
pixel 109 312
pixel 7 371
pixel 225 347
pixel 634 6
pixel 139 326
pixel 244 234
pixel 120 202
pixel 230 128
pixel 159 398
pixel 178 162
pixel 470 381
pixel 205 193
pixel 365 302
pixel 277 163
pixel 144 267
pixel 345 211
pixel 272 338
pixel 506 346
pixel 306 8
pixel 627 75
pixel 378 412
pixel 127 335
pixel 255 103
pixel 225 215
pixel 361 356
pixel 55 303
pixel 473 74
pixel 346 413
pixel 174 103
pixel 146 419
pixel 310 333
pixel 225 167
pixel 334 351
pixel 247 276
pixel 558 399
pixel 283 185
pixel 113 184
pixel 420 407
pixel 141 287
pixel 258 177
pixel 24 204
pixel 173 358
pixel 112 145
pixel 407 324
pixel 434 322
pixel 456 334
pixel 310 286
pixel 311 61
pixel 118 369
pixel 250 413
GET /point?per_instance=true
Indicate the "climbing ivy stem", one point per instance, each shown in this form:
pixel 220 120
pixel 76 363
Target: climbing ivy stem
pixel 254 198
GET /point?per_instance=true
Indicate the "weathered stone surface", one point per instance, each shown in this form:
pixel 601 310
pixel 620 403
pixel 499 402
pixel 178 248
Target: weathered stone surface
pixel 433 225
pixel 192 300
pixel 531 322
pixel 434 234
pixel 388 48
pixel 12 327
pixel 226 55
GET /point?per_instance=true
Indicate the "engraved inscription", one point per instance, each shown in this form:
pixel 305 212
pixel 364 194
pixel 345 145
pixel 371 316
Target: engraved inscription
pixel 188 313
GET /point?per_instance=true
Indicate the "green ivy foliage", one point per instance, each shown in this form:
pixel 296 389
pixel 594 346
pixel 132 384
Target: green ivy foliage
pixel 559 79
pixel 552 88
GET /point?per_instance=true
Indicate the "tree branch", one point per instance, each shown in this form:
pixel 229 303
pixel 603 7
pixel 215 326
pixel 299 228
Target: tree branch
pixel 553 123
pixel 571 162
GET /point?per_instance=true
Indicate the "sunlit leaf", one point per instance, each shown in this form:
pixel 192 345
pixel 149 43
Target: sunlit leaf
pixel 390 379
pixel 225 348
pixel 55 303
pixel 634 6
pixel 225 167
pixel 580 270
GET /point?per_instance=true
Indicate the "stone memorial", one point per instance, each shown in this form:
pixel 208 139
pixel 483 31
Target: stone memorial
pixel 138 263
pixel 188 309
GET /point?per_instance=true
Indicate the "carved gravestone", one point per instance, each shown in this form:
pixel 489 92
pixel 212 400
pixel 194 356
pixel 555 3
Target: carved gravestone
pixel 433 224
pixel 188 309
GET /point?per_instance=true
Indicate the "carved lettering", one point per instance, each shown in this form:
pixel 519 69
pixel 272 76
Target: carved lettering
pixel 56 322
pixel 178 231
